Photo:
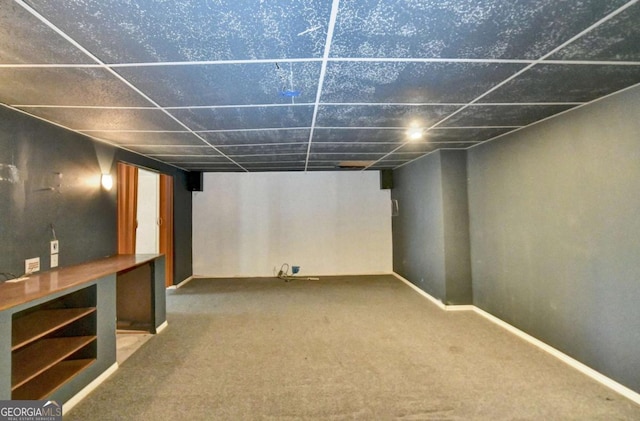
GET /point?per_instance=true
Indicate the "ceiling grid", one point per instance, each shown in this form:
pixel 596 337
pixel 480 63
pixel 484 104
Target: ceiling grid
pixel 301 85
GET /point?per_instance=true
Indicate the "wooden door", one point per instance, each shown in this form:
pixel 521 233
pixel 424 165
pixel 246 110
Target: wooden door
pixel 127 208
pixel 127 215
pixel 166 225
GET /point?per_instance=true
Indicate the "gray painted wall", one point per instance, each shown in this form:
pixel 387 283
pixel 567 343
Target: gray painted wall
pixel 555 233
pixel 431 232
pixel 418 230
pixel 83 215
pixel 456 227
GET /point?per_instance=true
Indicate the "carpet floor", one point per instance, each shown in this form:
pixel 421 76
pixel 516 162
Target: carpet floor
pixel 342 348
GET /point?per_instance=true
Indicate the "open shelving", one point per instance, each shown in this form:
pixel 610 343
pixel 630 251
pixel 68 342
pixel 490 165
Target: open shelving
pixel 51 343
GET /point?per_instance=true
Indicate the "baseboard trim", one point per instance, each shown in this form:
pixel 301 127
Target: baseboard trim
pixel 68 405
pixel 584 369
pixel 181 284
pixel 426 295
pixel 162 327
pixel 577 365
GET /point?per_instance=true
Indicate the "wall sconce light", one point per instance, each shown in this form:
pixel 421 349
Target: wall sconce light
pixel 107 181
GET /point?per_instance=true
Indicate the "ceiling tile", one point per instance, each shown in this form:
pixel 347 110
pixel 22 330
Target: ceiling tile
pixel 338 164
pixel 231 71
pixel 195 159
pixel 388 164
pixel 66 86
pixel 618 39
pixel 168 150
pixel 107 119
pixel 148 138
pixel 353 148
pixel 226 84
pixel 460 135
pixel 428 147
pixel 382 115
pixel 25 39
pixel 565 83
pixel 243 150
pixel 275 166
pixel 345 156
pixel 260 158
pixel 411 82
pixel 461 29
pixel 222 166
pixel 192 30
pixel 199 119
pixel 358 135
pixel 257 137
pixel 407 156
pixel 503 115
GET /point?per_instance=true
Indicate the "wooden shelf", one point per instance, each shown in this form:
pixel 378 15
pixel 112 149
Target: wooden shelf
pixel 46 383
pixel 35 325
pixel 36 358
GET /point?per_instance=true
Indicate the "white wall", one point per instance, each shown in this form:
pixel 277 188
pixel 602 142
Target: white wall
pixel 147 234
pixel 328 223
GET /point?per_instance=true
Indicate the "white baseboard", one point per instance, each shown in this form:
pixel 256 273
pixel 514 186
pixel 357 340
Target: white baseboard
pixel 162 327
pixel 88 388
pixel 595 375
pixel 429 297
pixel 299 276
pixel 181 284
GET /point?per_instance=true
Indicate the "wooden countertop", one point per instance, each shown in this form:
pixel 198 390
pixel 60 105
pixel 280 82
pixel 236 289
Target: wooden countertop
pixel 42 284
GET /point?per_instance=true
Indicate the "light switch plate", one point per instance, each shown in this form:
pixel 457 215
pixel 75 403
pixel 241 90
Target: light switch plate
pixel 54 247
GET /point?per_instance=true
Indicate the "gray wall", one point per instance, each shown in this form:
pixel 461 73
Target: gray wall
pixel 456 227
pixel 431 232
pixel 555 233
pixel 83 215
pixel 418 230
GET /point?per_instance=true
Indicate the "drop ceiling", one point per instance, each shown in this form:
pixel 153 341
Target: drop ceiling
pixel 305 85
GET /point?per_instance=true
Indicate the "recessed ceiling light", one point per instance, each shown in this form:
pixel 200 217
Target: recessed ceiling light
pixel 414 133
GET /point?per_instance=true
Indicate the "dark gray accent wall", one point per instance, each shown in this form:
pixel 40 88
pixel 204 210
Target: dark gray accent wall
pixel 418 231
pixel 431 233
pixel 456 227
pixel 555 233
pixel 58 184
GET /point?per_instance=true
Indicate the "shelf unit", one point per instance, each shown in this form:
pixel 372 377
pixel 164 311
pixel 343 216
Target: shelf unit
pixel 51 343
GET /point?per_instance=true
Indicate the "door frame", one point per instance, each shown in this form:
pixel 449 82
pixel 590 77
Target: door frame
pixel 126 217
pixel 166 225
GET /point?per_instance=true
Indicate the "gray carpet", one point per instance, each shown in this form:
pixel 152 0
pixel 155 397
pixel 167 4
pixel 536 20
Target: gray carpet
pixel 342 348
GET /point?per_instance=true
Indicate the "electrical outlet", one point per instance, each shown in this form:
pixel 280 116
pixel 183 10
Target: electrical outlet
pixel 54 247
pixel 32 265
pixel 54 261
